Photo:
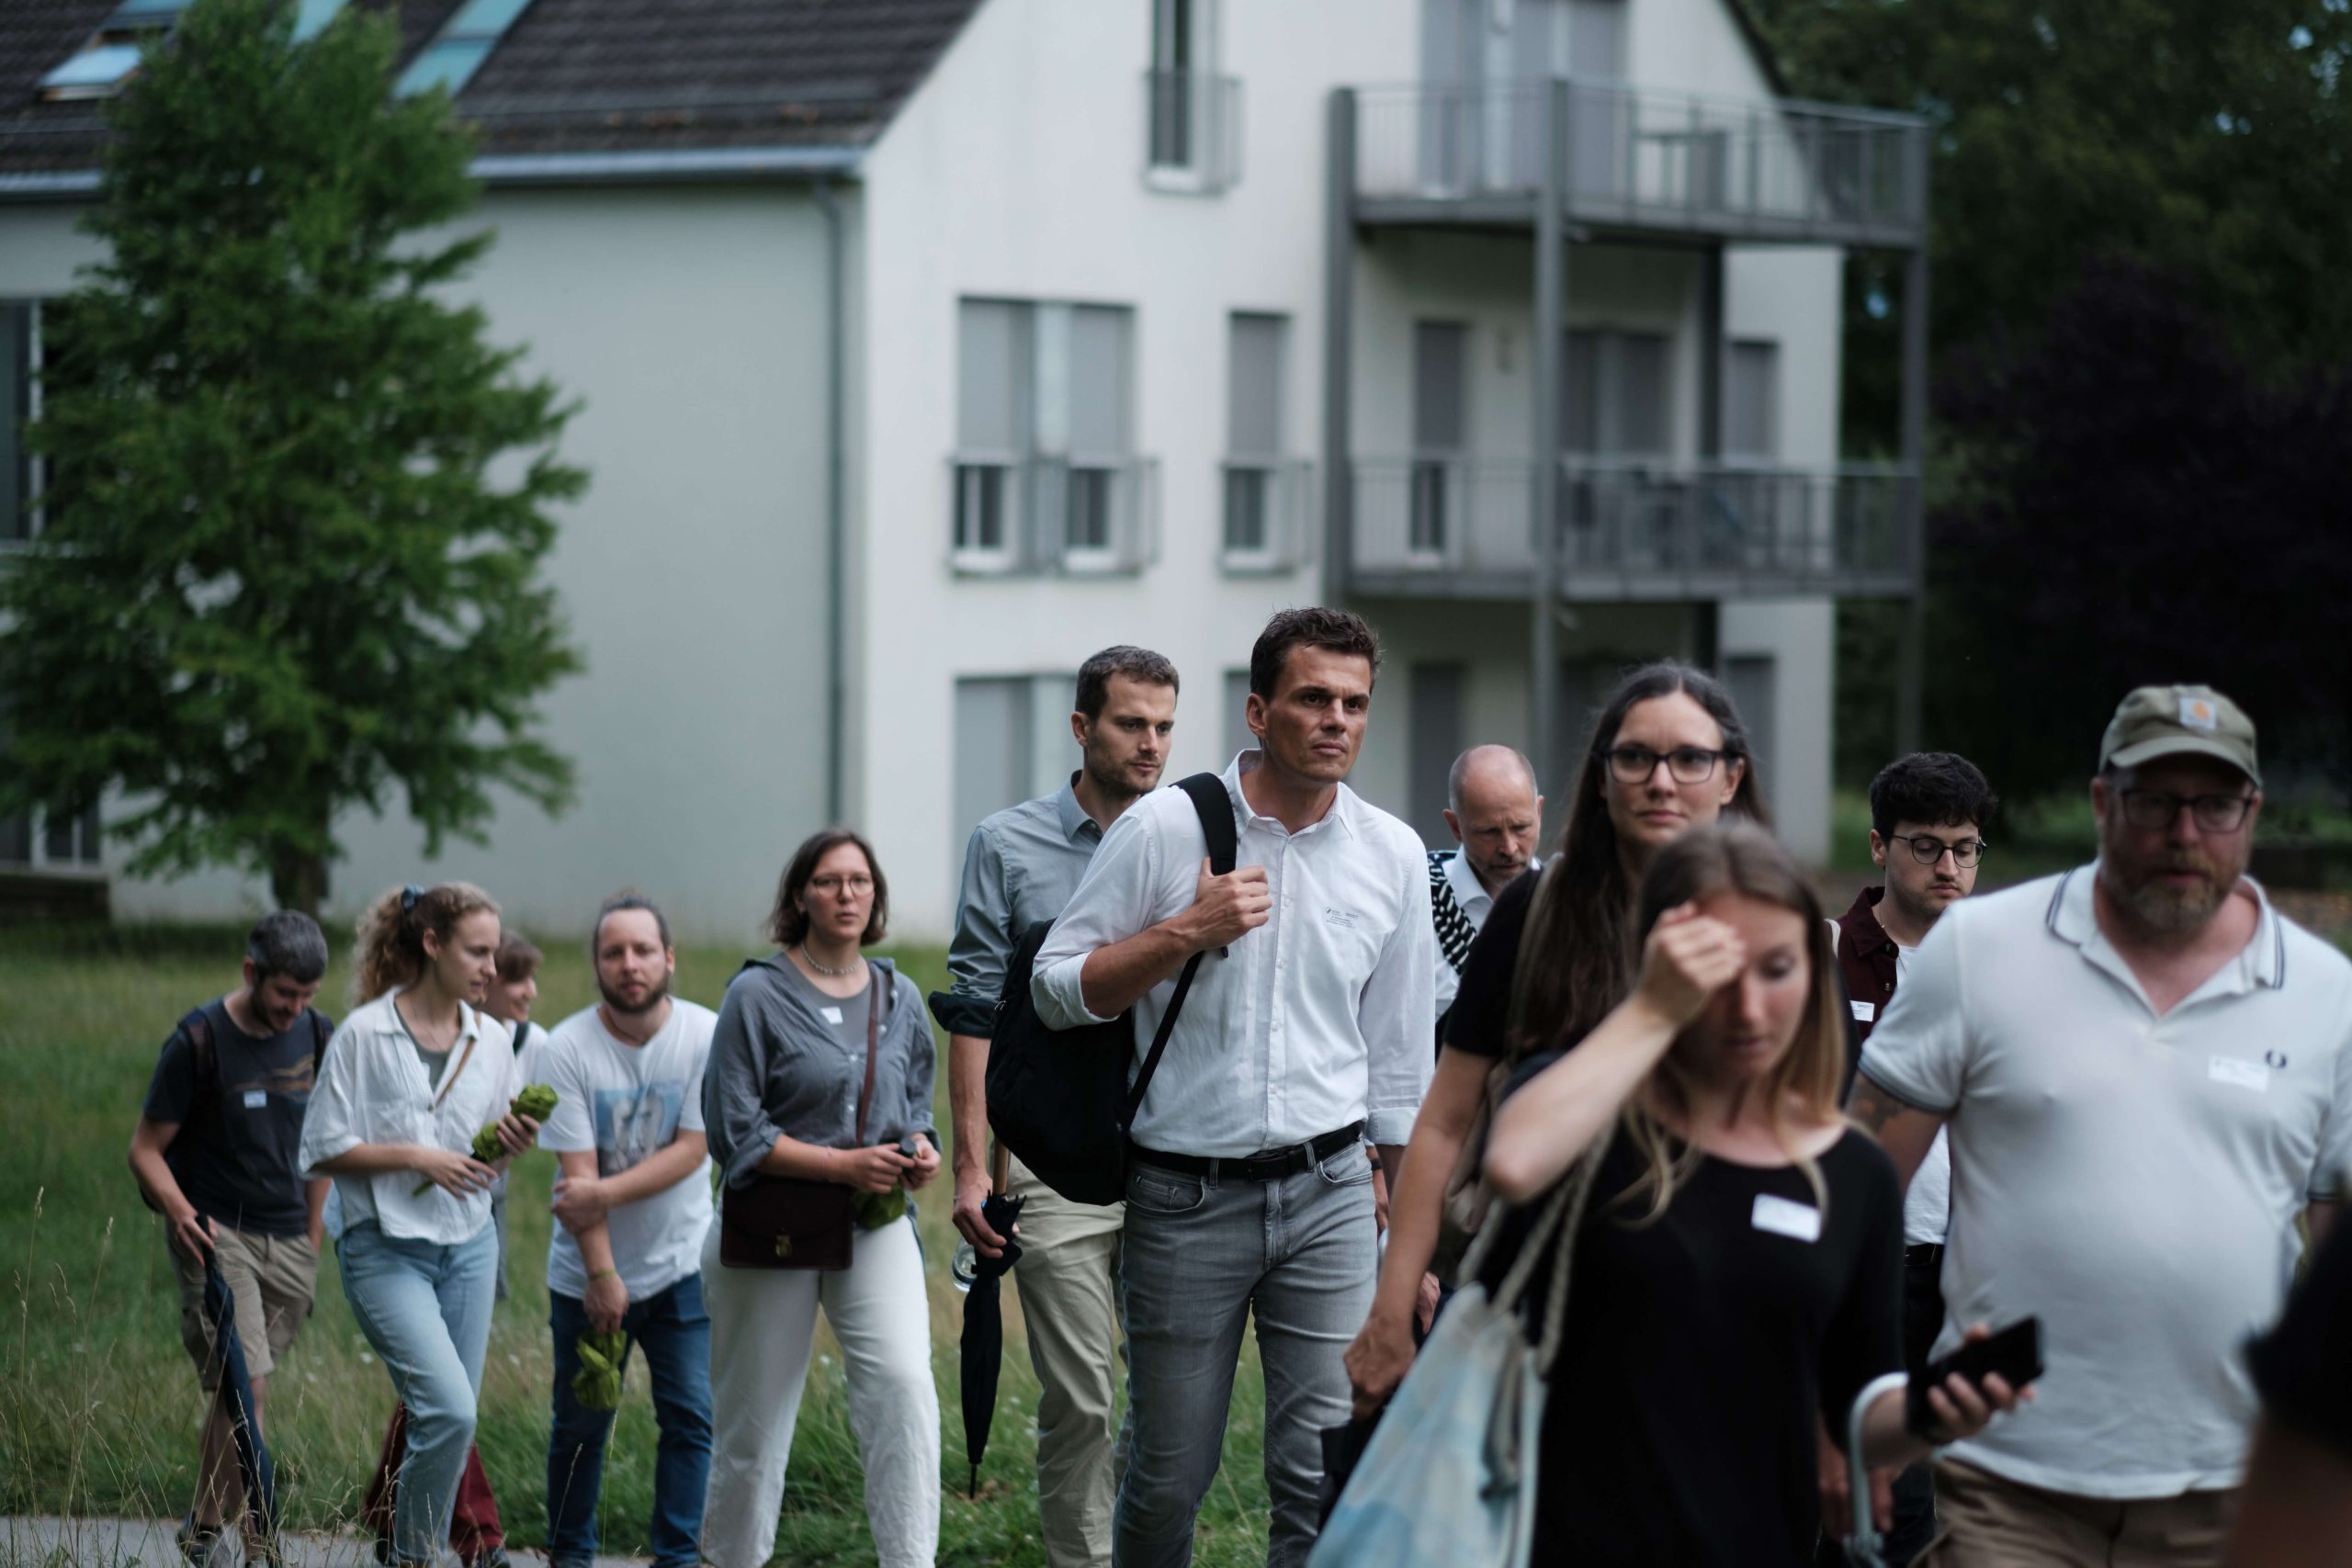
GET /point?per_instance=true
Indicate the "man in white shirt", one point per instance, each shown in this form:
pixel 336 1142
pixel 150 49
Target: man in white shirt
pixel 1496 819
pixel 1928 815
pixel 1249 1189
pixel 633 1204
pixel 2147 1073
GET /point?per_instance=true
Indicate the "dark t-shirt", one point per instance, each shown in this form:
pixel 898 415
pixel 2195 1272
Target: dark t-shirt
pixel 236 1158
pixel 1698 1349
pixel 2304 1367
pixel 1481 1010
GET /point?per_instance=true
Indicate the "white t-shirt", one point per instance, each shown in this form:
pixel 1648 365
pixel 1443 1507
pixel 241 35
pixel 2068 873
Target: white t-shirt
pixel 1927 1204
pixel 2131 1178
pixel 627 1102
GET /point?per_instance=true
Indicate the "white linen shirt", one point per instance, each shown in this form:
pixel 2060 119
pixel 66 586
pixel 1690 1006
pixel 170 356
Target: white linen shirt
pixel 372 1089
pixel 2132 1179
pixel 1315 1020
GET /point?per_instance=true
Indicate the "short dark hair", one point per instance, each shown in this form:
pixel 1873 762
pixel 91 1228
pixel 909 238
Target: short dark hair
pixel 627 898
pixel 1317 626
pixel 290 943
pixel 789 923
pixel 1937 788
pixel 1120 659
pixel 518 958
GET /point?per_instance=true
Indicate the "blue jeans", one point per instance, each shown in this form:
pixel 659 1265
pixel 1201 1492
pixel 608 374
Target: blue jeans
pixel 425 1309
pixel 675 1332
pixel 1201 1257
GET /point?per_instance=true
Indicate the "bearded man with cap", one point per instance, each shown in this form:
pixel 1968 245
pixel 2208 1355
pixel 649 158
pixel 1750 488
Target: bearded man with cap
pixel 2146 1072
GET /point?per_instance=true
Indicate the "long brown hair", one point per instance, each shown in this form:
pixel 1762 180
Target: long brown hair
pixel 392 933
pixel 1738 857
pixel 1579 957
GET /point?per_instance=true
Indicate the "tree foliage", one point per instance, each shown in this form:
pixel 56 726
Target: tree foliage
pixel 2147 504
pixel 297 504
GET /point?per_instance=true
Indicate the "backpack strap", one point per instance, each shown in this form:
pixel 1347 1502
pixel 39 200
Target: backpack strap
pixel 321 1031
pixel 204 1060
pixel 1214 806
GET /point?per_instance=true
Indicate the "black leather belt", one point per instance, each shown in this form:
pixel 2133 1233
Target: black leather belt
pixel 1292 1161
pixel 1924 1254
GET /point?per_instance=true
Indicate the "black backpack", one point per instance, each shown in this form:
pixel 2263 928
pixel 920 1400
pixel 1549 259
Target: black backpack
pixel 1059 1098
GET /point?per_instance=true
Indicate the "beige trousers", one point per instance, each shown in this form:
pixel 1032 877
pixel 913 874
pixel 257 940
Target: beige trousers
pixel 1989 1522
pixel 1067 1279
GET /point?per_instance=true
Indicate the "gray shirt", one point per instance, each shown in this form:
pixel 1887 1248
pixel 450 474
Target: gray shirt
pixel 785 1061
pixel 1020 868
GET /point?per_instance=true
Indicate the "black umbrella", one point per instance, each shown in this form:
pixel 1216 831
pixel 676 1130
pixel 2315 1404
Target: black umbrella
pixel 237 1394
pixel 983 1342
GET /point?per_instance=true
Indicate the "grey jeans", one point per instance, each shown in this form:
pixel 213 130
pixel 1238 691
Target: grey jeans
pixel 1200 1255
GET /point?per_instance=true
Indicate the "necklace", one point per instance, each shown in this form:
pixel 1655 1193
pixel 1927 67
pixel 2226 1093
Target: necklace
pixel 811 959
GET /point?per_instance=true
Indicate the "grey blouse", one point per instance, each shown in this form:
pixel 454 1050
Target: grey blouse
pixel 778 1066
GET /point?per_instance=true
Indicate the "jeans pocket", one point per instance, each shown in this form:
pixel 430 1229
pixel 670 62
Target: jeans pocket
pixel 1351 1167
pixel 1160 1191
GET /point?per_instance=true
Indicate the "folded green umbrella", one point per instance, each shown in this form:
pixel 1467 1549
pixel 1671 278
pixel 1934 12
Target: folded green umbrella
pixel 597 1385
pixel 535 1102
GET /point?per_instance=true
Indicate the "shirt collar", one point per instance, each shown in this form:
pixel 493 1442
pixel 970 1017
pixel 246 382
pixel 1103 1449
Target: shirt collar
pixel 2073 917
pixel 1071 815
pixel 1464 877
pixel 1342 815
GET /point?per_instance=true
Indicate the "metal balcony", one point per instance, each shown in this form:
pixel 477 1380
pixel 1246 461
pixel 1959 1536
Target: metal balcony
pixel 1643 161
pixel 1463 528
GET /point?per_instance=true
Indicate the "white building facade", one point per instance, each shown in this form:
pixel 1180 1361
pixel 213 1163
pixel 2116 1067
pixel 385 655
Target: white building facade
pixel 1134 321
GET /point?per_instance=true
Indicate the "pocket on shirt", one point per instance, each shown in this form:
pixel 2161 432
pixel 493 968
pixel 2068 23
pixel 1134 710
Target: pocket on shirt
pixel 1161 1191
pixel 1351 1167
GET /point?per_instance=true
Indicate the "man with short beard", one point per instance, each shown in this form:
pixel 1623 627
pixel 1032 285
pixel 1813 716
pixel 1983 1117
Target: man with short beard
pixel 1021 865
pixel 2147 1075
pixel 633 1204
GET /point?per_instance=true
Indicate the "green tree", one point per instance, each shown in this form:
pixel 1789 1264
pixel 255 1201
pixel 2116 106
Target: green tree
pixel 290 559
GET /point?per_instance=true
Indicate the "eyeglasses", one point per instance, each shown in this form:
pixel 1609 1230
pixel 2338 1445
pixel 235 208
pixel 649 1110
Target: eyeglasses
pixel 2150 808
pixel 829 884
pixel 1927 849
pixel 1688 764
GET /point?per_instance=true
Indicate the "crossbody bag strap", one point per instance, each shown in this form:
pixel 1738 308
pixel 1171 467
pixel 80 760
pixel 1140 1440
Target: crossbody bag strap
pixel 1214 806
pixel 873 1037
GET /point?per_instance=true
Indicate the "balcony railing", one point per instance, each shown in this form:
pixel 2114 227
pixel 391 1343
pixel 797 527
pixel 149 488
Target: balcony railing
pixel 1265 503
pixel 1083 513
pixel 1192 129
pixel 1648 159
pixel 1452 525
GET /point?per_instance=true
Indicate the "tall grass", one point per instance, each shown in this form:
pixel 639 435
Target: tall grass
pixel 98 1402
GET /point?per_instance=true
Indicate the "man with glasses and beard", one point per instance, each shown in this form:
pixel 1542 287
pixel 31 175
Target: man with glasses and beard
pixel 1020 868
pixel 632 1205
pixel 2146 1074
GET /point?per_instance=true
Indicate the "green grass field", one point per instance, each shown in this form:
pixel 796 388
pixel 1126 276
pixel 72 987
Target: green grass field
pixel 98 1402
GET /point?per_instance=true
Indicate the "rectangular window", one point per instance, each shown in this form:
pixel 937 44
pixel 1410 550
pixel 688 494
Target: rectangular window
pixel 993 746
pixel 1253 442
pixel 72 841
pixel 994 343
pixel 16 409
pixel 1094 394
pixel 1440 377
pixel 1174 110
pixel 1435 741
pixel 1617 395
pixel 1751 401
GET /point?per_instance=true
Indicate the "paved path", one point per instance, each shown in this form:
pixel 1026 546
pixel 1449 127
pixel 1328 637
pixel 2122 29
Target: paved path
pixel 46 1542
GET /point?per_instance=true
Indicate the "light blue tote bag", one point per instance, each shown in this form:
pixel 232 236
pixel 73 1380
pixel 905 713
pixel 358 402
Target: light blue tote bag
pixel 1449 1475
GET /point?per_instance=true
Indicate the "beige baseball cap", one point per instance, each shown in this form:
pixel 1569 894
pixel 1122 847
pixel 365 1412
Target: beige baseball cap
pixel 2170 721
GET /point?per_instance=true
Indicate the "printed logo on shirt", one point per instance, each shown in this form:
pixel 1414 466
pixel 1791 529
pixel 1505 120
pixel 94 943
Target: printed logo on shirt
pixel 2243 1074
pixel 634 1124
pixel 1345 919
pixel 1785 1216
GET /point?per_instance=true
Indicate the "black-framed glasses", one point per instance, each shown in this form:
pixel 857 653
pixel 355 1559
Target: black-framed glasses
pixel 1688 764
pixel 2153 808
pixel 1927 849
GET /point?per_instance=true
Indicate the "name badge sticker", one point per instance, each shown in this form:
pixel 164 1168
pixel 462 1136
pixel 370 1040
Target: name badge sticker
pixel 832 1015
pixel 1785 1216
pixel 1865 1013
pixel 2241 1074
pixel 256 1099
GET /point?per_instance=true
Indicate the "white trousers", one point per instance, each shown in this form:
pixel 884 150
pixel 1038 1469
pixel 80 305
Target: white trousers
pixel 763 1323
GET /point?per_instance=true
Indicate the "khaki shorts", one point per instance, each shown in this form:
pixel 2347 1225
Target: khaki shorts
pixel 1992 1522
pixel 269 1277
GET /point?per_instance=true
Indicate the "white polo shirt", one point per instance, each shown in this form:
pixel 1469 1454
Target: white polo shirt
pixel 2133 1179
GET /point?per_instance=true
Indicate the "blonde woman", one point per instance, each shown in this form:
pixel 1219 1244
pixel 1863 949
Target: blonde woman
pixel 1740 1267
pixel 407 1081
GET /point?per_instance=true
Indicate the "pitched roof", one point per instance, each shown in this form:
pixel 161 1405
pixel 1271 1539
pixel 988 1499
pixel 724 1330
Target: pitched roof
pixel 634 76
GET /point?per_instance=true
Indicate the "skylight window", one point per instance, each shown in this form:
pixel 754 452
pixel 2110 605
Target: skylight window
pixel 458 50
pixel 100 67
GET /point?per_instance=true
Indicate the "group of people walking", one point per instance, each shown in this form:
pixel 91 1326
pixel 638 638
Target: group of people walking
pixel 1811 1154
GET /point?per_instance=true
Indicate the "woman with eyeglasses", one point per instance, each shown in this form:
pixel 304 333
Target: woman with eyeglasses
pixel 1669 753
pixel 786 1091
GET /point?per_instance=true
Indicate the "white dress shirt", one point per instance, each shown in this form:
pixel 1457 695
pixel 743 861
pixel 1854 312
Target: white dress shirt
pixel 372 1089
pixel 1317 1018
pixel 1476 904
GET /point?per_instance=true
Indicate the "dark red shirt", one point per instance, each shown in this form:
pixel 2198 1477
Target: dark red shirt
pixel 1866 957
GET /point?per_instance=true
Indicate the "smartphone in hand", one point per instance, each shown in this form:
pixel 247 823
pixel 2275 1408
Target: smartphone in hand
pixel 2014 1353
